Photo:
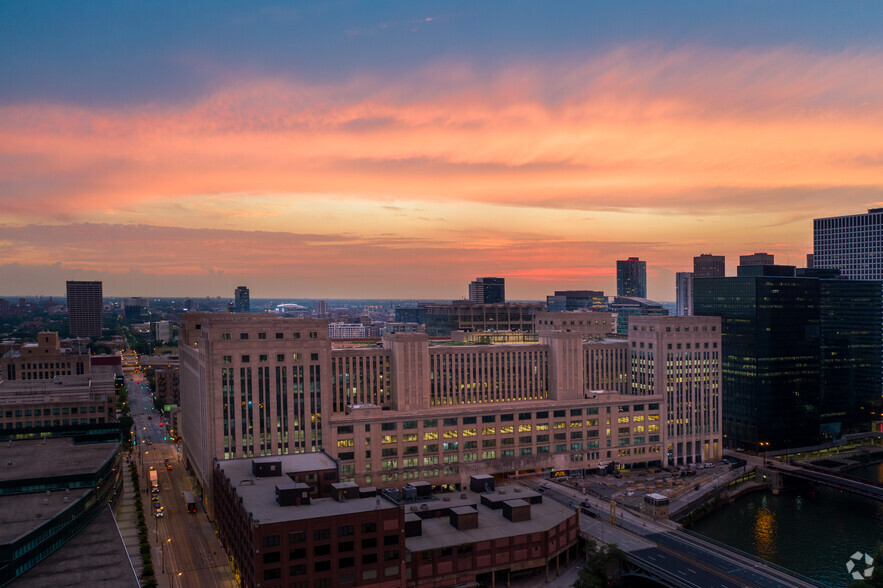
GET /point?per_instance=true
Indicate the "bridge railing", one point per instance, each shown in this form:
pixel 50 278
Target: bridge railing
pixel 739 552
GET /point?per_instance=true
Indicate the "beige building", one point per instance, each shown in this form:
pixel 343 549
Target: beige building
pixel 44 360
pixel 679 357
pixel 591 325
pixel 59 402
pixel 256 385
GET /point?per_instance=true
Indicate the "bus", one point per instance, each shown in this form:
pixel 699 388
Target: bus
pixel 189 501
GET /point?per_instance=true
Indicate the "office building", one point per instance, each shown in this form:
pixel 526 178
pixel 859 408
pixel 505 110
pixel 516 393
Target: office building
pixel 801 359
pixel 852 243
pixel 258 385
pixel 57 403
pixel 680 358
pixel 757 259
pixel 626 307
pixel 568 300
pixel 241 302
pixel 684 292
pixel 810 261
pixel 631 278
pixel 709 266
pixel 591 325
pixel 462 315
pixel 168 385
pixel 321 309
pixel 44 360
pixel 84 305
pixel 487 290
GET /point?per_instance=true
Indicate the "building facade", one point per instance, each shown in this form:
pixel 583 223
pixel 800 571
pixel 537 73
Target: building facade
pixel 487 290
pixel 757 259
pixel 84 306
pixel 852 243
pixel 43 360
pixel 631 278
pixel 462 315
pixel 684 291
pixel 241 300
pixel 257 385
pixel 591 325
pixel 567 300
pixel 709 266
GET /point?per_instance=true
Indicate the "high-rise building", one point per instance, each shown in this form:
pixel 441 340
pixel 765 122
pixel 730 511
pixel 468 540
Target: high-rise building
pixel 684 290
pixel 757 259
pixel 84 304
pixel 801 357
pixel 853 244
pixel 709 266
pixel 810 261
pixel 680 358
pixel 241 301
pixel 629 306
pixel 487 290
pixel 631 277
pixel 321 309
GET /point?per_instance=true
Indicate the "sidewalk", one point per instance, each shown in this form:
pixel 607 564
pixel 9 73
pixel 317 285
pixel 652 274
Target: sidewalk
pixel 127 520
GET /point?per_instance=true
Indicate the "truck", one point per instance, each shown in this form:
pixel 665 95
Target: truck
pixel 154 482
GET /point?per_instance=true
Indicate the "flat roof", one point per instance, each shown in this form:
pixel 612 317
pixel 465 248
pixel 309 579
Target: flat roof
pixel 57 457
pixel 438 532
pixel 96 556
pixel 259 494
pixel 22 513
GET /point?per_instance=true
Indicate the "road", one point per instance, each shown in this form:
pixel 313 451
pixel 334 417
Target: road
pixel 187 552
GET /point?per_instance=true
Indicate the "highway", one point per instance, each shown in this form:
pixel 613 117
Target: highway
pixel 186 551
pixel 674 555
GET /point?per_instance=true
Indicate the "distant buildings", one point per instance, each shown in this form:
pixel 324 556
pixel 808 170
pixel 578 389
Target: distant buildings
pixel 684 291
pixel 57 403
pixel 487 290
pixel 709 266
pixel 629 306
pixel 84 305
pixel 631 278
pixel 321 309
pixel 241 302
pixel 567 300
pixel 462 315
pixel 756 259
pixel 853 244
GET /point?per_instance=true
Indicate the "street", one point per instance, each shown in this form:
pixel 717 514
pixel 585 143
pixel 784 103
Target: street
pixel 186 551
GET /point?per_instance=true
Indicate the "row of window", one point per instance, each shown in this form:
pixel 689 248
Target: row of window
pixel 280 357
pixel 244 336
pixel 47 411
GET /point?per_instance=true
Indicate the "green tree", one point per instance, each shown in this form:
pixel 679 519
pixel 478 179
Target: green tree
pixel 600 562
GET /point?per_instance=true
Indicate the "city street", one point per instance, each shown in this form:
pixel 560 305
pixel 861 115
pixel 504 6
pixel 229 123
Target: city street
pixel 186 551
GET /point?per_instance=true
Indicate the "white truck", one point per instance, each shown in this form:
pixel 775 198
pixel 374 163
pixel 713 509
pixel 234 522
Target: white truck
pixel 154 482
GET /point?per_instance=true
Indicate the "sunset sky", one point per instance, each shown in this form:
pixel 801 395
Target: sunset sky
pixel 400 149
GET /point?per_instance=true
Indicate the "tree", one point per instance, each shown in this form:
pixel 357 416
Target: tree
pixel 600 562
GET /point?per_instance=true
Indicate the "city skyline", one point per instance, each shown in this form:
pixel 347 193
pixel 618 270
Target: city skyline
pixel 400 150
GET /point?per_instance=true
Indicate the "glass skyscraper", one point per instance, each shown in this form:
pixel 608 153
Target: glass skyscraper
pixel 631 277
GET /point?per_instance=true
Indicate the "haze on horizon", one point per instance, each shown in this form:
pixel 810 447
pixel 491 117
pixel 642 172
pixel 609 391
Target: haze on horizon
pixel 401 149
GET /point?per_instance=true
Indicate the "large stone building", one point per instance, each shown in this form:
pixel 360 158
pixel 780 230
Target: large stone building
pixel 44 359
pixel 57 403
pixel 258 385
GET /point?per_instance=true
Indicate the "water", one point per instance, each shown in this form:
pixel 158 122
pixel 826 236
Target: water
pixel 813 532
pixel 873 473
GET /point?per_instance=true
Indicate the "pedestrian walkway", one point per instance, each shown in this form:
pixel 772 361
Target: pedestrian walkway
pixel 127 520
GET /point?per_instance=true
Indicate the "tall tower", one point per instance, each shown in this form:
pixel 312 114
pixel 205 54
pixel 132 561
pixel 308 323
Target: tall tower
pixel 631 277
pixel 241 301
pixel 684 288
pixel 84 302
pixel 853 244
pixel 709 266
pixel 488 290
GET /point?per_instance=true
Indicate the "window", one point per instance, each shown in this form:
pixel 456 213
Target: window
pixel 345 531
pixel 324 549
pixel 245 359
pixel 243 336
pixel 280 357
pixel 388 426
pixel 369 558
pixel 450 422
pixel 322 566
pixel 298 537
pixel 430 423
pixel 272 557
pixel 280 336
pixel 369 527
pixel 262 335
pixel 489 418
pixel 345 546
pixel 314 335
pixel 272 574
pixel 314 357
pixel 320 534
pixel 296 357
pixel 270 541
pixel 225 337
pixel 346 562
pixel 391 540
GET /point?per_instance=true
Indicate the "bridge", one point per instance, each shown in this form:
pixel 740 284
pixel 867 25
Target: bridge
pixel 662 551
pixel 819 475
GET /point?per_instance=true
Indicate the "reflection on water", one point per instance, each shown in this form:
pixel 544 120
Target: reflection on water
pixel 765 541
pixel 813 532
pixel 873 473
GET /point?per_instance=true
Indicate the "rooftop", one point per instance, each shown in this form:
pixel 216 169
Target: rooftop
pixel 22 513
pixel 438 532
pixel 52 457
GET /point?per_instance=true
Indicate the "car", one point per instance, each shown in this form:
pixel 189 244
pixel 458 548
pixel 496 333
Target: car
pixel 546 485
pixel 154 498
pixel 149 418
pixel 154 490
pixel 168 466
pixel 159 514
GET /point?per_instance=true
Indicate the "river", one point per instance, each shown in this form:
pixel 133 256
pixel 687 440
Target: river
pixel 813 531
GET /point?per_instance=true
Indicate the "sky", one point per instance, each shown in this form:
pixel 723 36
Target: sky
pixel 401 149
